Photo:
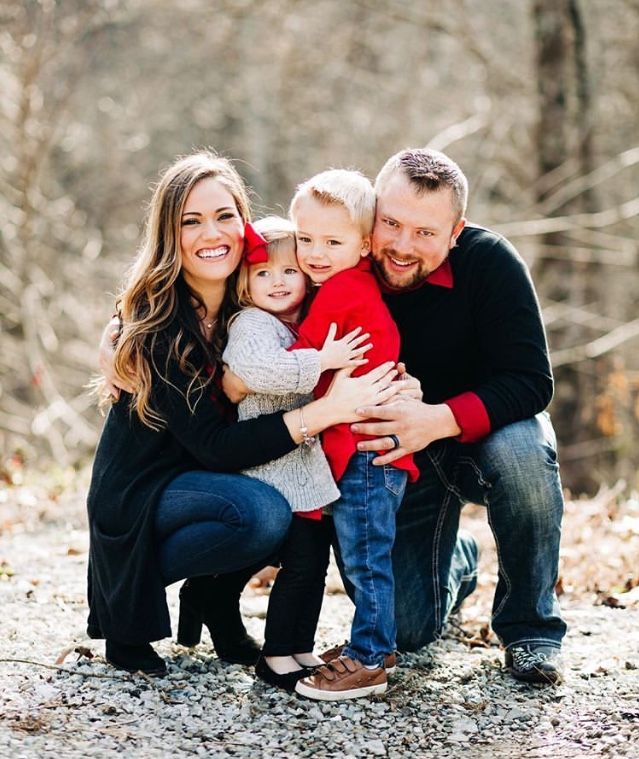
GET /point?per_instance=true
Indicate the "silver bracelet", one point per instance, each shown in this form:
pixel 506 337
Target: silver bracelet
pixel 307 439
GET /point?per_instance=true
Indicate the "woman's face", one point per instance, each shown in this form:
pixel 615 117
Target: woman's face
pixel 211 236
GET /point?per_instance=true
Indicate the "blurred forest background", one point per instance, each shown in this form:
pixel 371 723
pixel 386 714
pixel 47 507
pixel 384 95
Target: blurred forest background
pixel 538 100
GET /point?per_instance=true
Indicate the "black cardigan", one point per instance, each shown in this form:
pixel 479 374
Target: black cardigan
pixel 485 334
pixel 133 464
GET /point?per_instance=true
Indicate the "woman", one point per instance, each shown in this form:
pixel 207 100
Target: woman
pixel 163 503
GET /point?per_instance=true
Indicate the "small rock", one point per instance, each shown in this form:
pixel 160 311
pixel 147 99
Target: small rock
pixel 375 747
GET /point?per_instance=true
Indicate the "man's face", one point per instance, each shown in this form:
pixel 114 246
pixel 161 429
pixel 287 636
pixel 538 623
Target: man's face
pixel 413 233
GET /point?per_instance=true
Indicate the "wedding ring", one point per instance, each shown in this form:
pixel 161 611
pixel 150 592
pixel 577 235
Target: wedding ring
pixel 395 440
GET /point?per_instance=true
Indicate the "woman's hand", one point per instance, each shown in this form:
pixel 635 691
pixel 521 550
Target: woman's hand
pixel 105 359
pixel 341 402
pixel 234 388
pixel 347 394
pixel 347 351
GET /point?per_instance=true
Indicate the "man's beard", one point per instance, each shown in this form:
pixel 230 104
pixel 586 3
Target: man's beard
pixel 415 279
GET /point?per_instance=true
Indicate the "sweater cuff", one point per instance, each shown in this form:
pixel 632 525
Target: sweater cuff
pixel 471 415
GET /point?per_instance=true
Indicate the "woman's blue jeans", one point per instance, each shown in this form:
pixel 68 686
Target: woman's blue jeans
pixel 210 523
pixel 514 473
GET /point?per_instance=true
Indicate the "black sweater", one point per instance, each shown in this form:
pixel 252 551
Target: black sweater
pixel 133 464
pixel 484 335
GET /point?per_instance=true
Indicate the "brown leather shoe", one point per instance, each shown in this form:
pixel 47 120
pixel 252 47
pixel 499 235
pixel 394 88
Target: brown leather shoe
pixel 341 679
pixel 390 660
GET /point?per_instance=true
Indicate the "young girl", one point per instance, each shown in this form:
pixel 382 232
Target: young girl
pixel 274 291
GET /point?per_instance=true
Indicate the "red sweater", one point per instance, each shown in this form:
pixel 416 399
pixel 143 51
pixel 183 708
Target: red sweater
pixel 351 299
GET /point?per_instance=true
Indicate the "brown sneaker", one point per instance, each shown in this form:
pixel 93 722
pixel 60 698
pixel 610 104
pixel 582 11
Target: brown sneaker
pixel 390 660
pixel 342 678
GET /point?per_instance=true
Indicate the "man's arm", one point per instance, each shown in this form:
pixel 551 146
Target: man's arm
pixel 511 341
pixel 113 383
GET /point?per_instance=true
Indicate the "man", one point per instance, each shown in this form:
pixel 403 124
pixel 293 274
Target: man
pixel 472 334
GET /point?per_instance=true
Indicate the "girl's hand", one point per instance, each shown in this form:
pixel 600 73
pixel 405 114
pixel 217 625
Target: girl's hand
pixel 348 351
pixel 105 359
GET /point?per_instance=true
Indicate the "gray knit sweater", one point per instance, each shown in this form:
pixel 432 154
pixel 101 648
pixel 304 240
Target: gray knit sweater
pixel 280 380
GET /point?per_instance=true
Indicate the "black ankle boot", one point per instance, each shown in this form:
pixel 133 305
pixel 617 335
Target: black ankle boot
pixel 141 658
pixel 215 602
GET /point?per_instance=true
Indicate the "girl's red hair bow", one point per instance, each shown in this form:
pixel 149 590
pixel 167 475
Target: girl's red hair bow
pixel 255 246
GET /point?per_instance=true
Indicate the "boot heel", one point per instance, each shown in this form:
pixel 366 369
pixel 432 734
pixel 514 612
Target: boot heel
pixel 189 627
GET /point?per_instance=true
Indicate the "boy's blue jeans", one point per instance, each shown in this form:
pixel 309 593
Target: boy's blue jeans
pixel 514 473
pixel 364 520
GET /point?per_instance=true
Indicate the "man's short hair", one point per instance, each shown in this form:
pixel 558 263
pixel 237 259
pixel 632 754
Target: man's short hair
pixel 344 187
pixel 428 171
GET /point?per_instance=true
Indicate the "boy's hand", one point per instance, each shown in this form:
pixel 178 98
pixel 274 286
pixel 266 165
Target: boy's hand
pixel 105 359
pixel 234 388
pixel 348 351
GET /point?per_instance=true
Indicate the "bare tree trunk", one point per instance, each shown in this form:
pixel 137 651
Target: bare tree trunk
pixel 565 149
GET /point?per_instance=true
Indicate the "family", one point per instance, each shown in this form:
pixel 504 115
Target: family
pixel 301 322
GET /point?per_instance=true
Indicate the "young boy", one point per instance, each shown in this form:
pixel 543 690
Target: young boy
pixel 333 214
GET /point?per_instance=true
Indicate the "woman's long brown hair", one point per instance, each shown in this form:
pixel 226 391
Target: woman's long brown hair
pixel 158 309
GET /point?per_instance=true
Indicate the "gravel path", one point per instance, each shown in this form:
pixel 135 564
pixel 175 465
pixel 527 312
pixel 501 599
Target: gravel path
pixel 449 700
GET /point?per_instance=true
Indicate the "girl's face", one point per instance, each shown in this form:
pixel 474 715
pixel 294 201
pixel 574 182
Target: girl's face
pixel 278 286
pixel 212 235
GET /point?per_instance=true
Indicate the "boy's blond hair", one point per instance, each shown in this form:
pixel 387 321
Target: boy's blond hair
pixel 280 235
pixel 344 187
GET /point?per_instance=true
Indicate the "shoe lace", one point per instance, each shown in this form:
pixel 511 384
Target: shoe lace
pixel 527 658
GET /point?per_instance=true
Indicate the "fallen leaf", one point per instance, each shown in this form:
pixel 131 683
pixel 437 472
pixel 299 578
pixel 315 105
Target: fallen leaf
pixel 612 601
pixel 80 650
pixel 5 570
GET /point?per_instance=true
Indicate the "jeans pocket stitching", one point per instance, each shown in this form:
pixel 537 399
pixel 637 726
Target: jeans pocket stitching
pixel 389 479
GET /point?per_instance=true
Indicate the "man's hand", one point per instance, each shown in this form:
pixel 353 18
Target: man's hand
pixel 105 359
pixel 234 388
pixel 410 387
pixel 415 424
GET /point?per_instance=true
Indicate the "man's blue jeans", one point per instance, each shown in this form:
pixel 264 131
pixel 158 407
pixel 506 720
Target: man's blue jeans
pixel 209 523
pixel 364 520
pixel 514 473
